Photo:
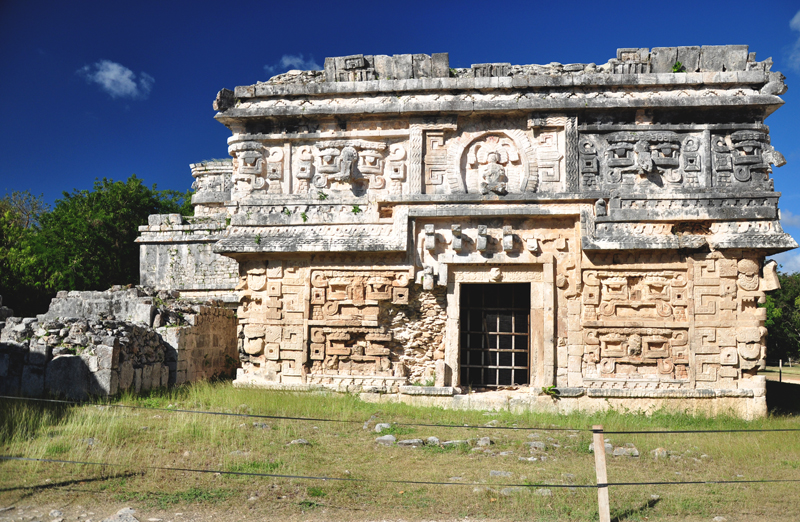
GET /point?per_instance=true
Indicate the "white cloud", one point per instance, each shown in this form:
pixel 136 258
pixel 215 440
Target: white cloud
pixel 293 61
pixel 117 80
pixel 794 55
pixel 788 219
pixel 788 262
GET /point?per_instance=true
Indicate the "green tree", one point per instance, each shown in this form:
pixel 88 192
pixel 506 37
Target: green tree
pixel 88 241
pixel 85 243
pixel 19 213
pixel 783 319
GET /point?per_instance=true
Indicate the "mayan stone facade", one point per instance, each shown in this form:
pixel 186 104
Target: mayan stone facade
pixel 597 228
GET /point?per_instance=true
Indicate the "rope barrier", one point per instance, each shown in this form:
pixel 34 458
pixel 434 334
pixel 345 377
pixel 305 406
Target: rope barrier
pixel 300 477
pixel 417 424
pixel 413 482
pixel 279 417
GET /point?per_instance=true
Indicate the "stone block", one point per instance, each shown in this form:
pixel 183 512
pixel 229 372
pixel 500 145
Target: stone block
pixel 421 64
pixel 403 66
pixel 440 65
pixel 561 356
pixel 107 356
pixel 165 373
pixel 126 375
pixel 104 383
pixel 39 354
pixel 31 383
pixel 689 58
pixel 67 376
pixel 575 362
pixel 384 67
pixel 662 59
pixel 713 58
pixel 137 380
pixel 5 364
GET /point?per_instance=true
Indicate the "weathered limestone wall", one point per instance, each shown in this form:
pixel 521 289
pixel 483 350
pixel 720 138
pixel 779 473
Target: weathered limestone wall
pixel 176 252
pixel 205 350
pixel 76 358
pixel 630 202
pixel 102 343
pixel 178 256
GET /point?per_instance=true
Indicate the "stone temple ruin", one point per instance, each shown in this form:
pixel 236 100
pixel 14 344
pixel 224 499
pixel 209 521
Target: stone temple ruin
pixel 394 226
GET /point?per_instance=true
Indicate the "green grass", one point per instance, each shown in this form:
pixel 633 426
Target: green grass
pixel 136 440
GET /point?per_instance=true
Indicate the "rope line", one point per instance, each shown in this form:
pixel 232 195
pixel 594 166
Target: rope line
pixel 423 425
pixel 394 481
pixel 279 417
pixel 301 477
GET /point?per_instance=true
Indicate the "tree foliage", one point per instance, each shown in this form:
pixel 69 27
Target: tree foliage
pixel 783 319
pixel 87 242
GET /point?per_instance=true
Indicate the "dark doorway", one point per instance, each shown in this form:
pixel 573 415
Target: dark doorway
pixel 494 334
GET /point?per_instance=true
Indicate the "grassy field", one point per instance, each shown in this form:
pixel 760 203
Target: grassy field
pixel 138 440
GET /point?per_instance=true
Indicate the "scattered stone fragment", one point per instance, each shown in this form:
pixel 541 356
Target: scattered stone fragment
pixel 261 425
pixel 543 492
pixel 492 423
pixel 659 453
pixel 484 442
pixel 626 452
pixel 609 447
pixel 123 515
pixel 537 445
pixel 386 440
pixel 410 442
pixel 505 453
pixel 719 519
pixel 300 442
pixel 432 441
pixel 496 473
pixel 382 426
pixel 450 443
pixel 511 490
pixel 56 513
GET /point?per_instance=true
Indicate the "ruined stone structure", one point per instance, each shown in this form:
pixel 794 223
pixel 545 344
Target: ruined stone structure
pixel 124 339
pixel 597 229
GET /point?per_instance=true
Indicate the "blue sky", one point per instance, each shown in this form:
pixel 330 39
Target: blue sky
pixel 108 89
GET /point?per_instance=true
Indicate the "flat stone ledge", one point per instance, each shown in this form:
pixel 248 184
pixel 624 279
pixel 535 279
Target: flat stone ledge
pixel 427 390
pixel 648 80
pixel 666 394
pixel 570 392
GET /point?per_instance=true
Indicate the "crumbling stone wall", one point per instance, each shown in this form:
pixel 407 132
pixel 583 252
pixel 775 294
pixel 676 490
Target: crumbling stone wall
pixel 418 332
pixel 76 358
pixel 103 343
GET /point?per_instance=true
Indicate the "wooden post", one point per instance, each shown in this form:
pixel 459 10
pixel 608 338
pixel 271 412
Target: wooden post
pixel 603 508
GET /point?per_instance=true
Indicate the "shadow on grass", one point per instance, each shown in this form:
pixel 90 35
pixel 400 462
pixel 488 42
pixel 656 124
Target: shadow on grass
pixel 24 419
pixel 783 398
pixel 31 490
pixel 625 515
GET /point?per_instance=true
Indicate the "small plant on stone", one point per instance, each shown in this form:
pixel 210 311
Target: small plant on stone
pixel 304 216
pixel 287 211
pixel 322 196
pixel 228 221
pixel 678 67
pixel 552 391
pixel 356 209
pixel 258 239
